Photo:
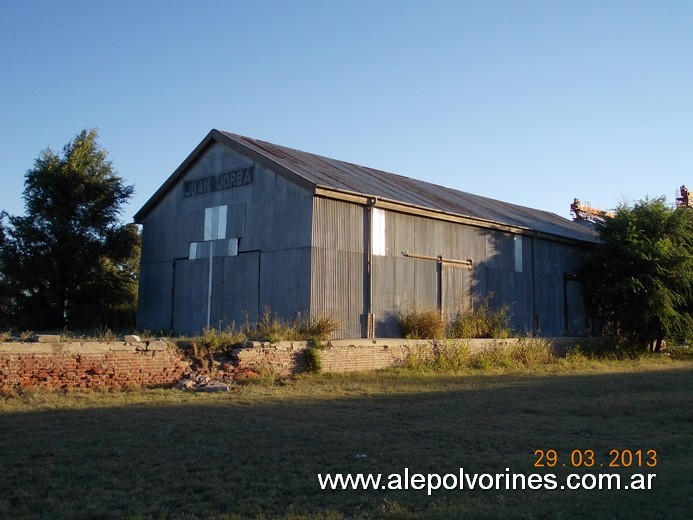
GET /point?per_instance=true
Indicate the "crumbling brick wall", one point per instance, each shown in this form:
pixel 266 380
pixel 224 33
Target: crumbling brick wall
pixel 89 365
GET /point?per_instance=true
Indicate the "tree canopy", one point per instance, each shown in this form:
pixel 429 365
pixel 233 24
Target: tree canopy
pixel 69 261
pixel 640 279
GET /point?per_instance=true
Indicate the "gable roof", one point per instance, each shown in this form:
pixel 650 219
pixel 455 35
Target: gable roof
pixel 330 177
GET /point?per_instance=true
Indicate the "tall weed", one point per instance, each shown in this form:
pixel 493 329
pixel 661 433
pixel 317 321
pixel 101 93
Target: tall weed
pixel 482 322
pixel 273 328
pixel 451 356
pixel 421 324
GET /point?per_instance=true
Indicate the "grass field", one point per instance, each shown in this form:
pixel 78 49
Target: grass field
pixel 256 452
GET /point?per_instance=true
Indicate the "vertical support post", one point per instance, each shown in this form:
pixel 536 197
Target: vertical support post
pixel 173 297
pixel 209 288
pixel 370 318
pixel 566 328
pixel 535 316
pixel 441 300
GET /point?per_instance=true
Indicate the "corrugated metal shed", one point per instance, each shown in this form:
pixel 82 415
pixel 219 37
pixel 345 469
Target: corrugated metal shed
pixel 312 234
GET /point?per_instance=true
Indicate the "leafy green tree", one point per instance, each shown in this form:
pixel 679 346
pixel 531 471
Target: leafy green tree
pixel 70 262
pixel 640 278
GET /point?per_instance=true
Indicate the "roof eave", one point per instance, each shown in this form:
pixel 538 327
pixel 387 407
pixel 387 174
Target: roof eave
pixel 422 211
pixel 173 178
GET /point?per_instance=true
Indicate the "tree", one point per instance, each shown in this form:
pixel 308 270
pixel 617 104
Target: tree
pixel 640 278
pixel 70 262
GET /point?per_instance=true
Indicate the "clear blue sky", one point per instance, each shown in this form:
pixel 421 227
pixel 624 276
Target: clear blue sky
pixel 524 101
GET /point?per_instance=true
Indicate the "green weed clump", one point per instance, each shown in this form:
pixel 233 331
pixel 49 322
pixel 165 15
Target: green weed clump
pixel 312 356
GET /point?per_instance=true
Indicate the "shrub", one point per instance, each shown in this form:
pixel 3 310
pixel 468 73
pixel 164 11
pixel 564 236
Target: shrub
pixel 312 356
pixel 318 328
pixel 482 322
pixel 422 324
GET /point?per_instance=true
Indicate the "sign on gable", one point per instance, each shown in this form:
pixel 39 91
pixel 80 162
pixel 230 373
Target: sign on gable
pixel 219 182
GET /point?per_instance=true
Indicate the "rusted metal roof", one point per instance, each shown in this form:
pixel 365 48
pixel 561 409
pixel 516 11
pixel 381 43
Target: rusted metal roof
pixel 334 174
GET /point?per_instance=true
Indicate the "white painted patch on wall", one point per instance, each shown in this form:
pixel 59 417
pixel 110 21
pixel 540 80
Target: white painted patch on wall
pixel 228 247
pixel 518 254
pixel 199 250
pixel 378 243
pixel 215 223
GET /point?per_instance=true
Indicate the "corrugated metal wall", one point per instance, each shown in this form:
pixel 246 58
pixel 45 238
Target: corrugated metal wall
pixel 264 261
pixel 559 304
pixel 526 274
pixel 402 283
pixel 338 265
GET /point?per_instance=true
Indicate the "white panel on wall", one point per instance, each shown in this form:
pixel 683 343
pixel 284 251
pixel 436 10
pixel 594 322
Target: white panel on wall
pixel 378 232
pixel 215 223
pixel 221 222
pixel 518 254
pixel 233 247
pixel 225 247
pixel 199 250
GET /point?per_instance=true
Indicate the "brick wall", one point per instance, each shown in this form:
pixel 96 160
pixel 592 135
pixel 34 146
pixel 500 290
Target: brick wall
pixel 285 358
pixel 89 365
pixel 116 365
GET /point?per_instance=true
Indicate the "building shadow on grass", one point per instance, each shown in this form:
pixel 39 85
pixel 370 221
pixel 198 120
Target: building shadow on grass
pixel 235 455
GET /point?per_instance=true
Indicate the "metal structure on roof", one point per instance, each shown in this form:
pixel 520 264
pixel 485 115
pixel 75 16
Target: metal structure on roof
pixel 582 211
pixel 684 198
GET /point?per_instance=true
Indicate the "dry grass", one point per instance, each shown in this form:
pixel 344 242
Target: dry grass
pixel 482 322
pixel 256 451
pixel 268 327
pixel 422 324
pixel 456 356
